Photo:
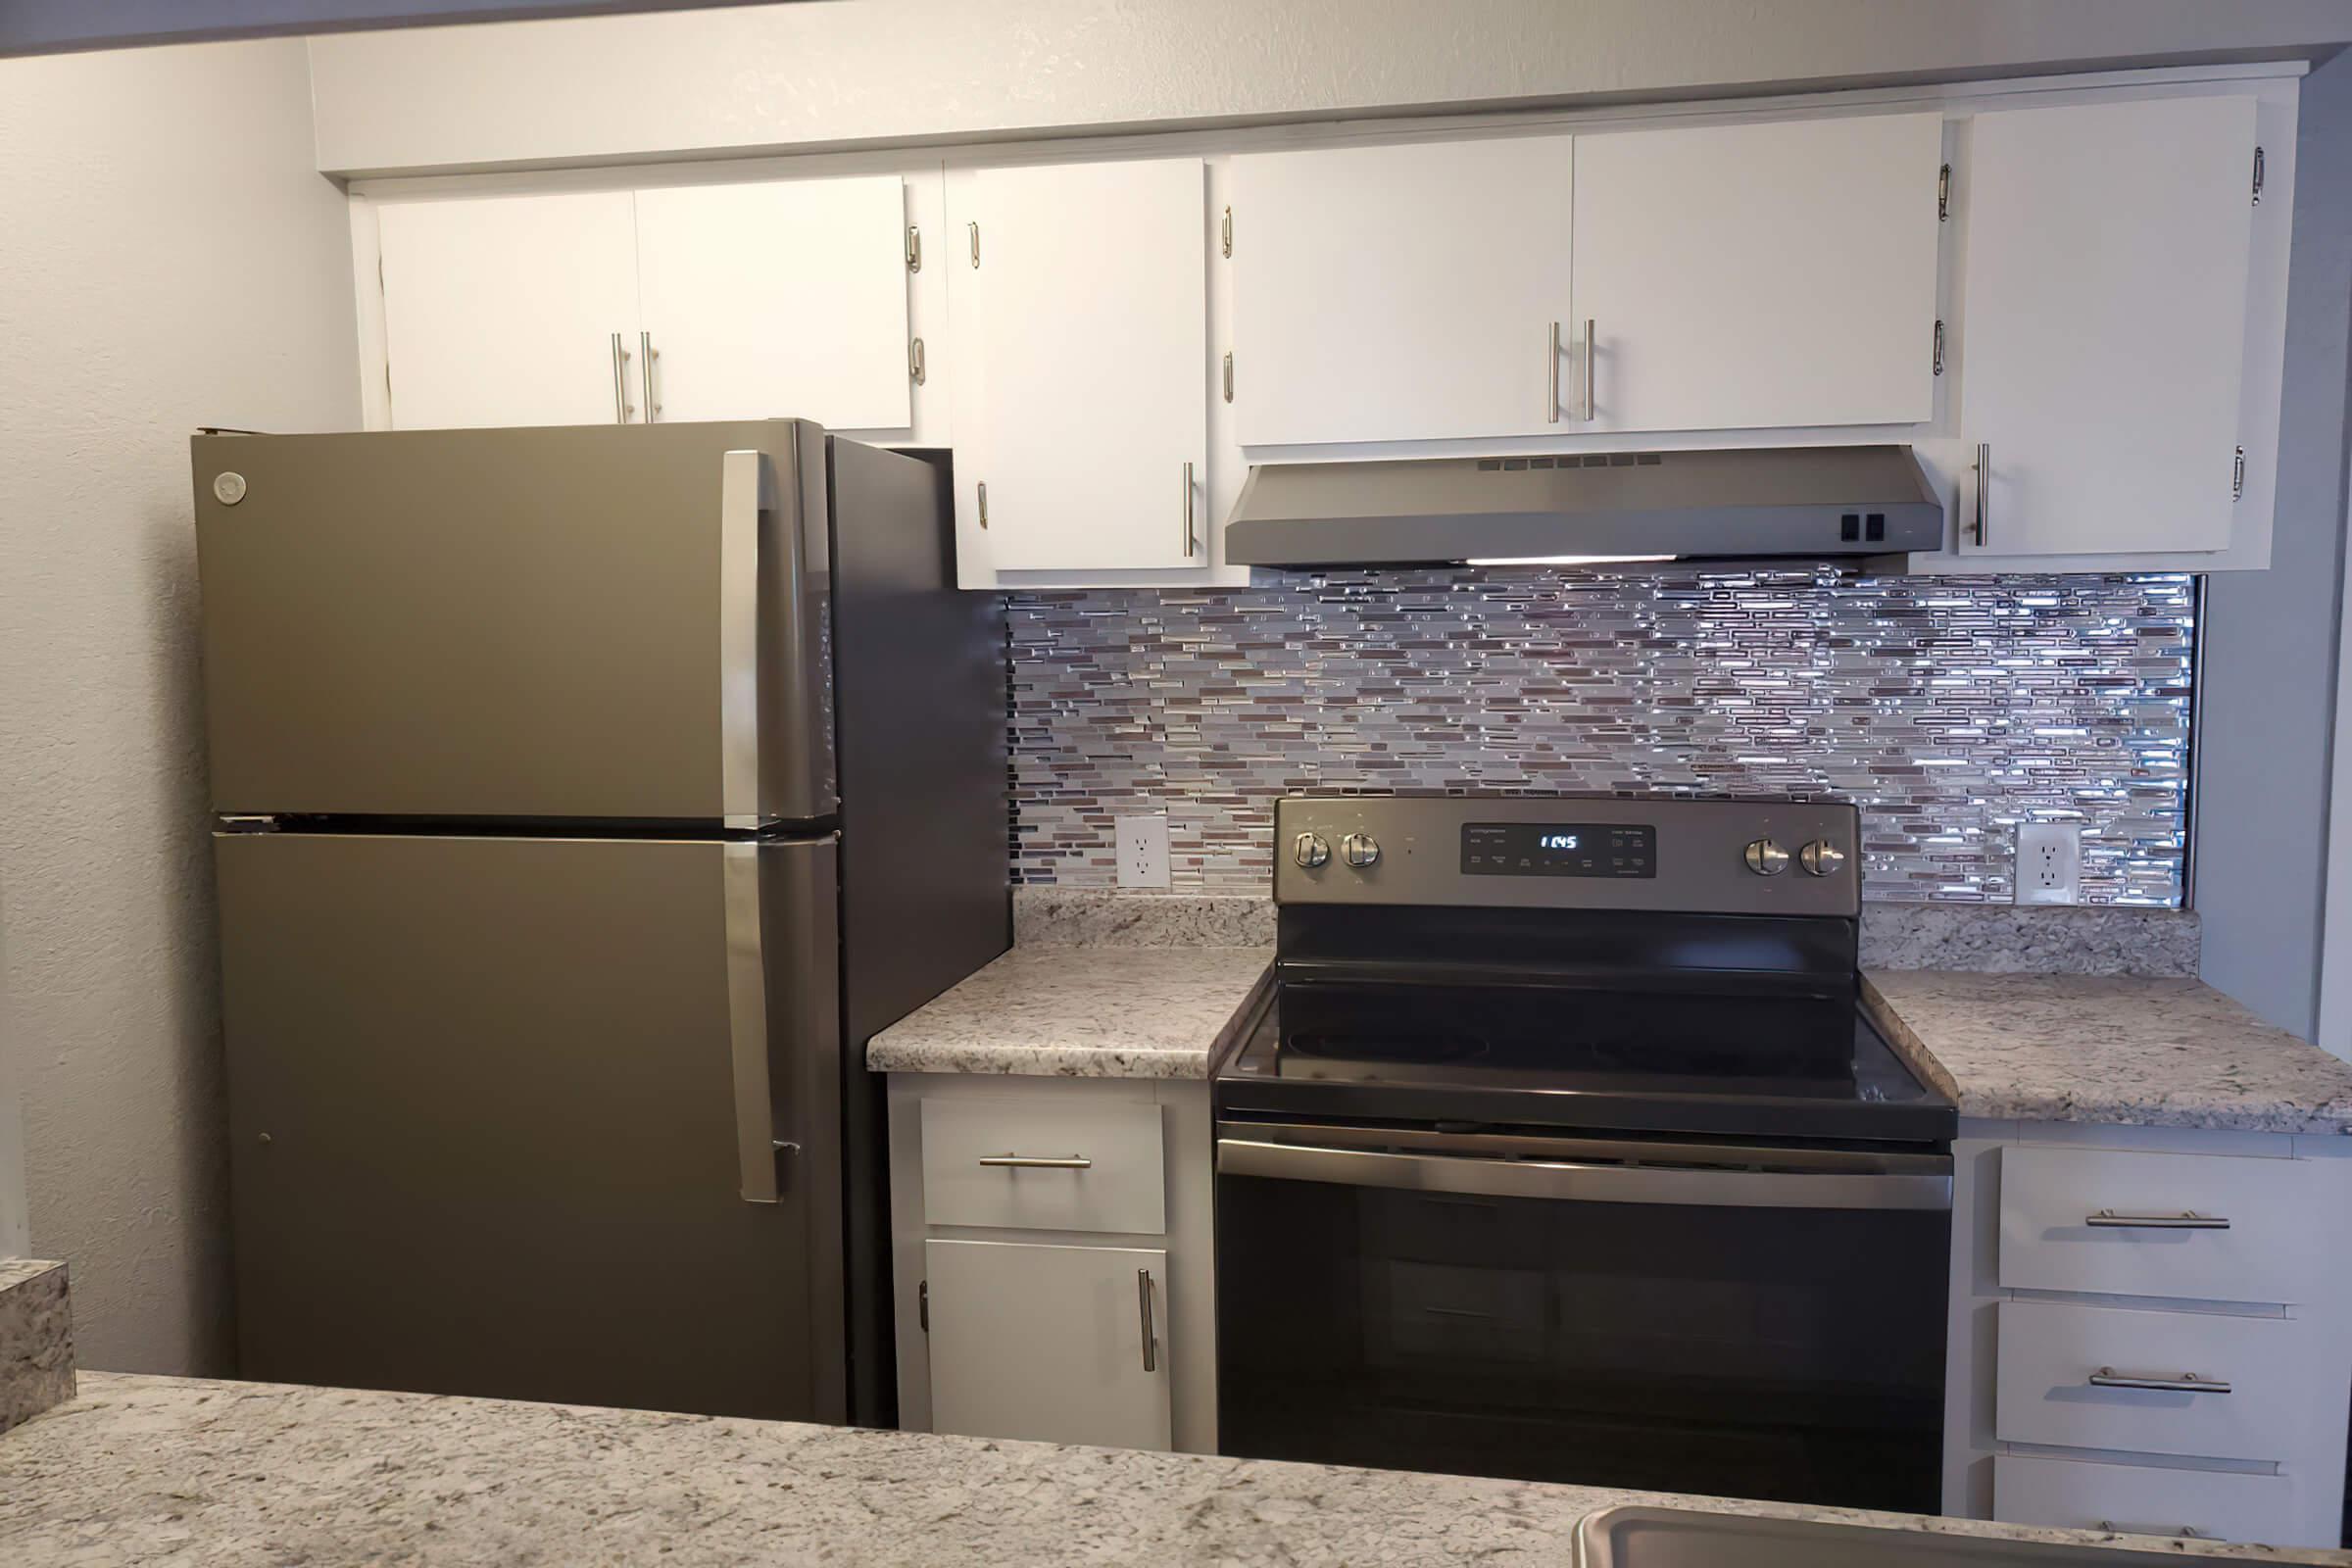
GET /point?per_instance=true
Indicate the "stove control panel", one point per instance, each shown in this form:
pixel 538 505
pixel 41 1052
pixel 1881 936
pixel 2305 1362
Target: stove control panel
pixel 1590 853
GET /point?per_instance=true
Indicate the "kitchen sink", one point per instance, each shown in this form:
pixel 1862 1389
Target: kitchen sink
pixel 1634 1536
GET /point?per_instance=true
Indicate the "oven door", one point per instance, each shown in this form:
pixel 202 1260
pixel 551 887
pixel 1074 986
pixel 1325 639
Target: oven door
pixel 1740 1321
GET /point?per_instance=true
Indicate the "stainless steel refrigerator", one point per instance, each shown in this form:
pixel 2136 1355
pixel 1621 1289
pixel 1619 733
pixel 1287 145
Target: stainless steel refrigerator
pixel 586 798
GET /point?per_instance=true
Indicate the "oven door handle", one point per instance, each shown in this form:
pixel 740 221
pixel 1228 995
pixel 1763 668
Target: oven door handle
pixel 1579 1183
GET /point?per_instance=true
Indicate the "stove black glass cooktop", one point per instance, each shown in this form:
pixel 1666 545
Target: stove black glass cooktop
pixel 1665 1057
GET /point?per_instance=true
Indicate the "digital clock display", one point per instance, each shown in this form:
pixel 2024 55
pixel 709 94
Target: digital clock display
pixel 1560 848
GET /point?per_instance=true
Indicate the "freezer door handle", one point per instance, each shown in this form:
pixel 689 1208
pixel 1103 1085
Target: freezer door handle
pixel 747 496
pixel 757 1147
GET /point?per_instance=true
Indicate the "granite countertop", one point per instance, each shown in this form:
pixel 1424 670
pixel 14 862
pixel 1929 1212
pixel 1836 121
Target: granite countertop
pixel 191 1474
pixel 2122 1050
pixel 1080 1012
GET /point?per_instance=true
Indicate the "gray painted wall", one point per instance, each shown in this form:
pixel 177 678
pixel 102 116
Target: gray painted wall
pixel 170 259
pixel 2268 656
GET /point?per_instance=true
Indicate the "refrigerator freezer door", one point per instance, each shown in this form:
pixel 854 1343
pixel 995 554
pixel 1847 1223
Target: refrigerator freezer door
pixel 625 623
pixel 489 1118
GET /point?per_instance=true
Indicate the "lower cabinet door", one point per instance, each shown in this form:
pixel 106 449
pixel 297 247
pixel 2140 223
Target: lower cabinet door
pixel 1055 1344
pixel 2142 1500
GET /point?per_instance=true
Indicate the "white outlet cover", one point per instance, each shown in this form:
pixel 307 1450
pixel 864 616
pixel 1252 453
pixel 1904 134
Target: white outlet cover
pixel 1144 851
pixel 2049 863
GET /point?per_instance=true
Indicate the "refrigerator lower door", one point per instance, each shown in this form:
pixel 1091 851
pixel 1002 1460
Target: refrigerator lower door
pixel 537 1117
pixel 627 623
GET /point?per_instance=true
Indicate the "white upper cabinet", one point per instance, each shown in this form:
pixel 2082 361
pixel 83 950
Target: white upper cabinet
pixel 505 310
pixel 2104 323
pixel 1758 276
pixel 1088 310
pixel 1401 293
pixel 781 299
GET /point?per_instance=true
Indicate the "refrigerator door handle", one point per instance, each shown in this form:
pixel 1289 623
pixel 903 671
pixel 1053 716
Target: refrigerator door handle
pixel 757 1147
pixel 747 499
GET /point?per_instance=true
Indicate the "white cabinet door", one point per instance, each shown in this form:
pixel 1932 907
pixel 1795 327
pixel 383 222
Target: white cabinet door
pixel 503 310
pixel 2103 323
pixel 1055 1344
pixel 1401 293
pixel 785 299
pixel 1093 328
pixel 1749 277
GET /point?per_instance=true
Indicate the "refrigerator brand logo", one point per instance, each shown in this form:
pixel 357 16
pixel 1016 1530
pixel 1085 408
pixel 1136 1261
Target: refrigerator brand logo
pixel 228 487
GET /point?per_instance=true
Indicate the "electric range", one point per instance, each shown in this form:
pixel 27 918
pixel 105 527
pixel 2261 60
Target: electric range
pixel 1561 1148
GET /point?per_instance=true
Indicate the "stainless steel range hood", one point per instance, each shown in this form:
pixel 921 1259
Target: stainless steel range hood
pixel 1807 502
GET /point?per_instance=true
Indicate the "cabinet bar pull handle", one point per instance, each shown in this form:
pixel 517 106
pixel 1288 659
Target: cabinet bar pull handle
pixel 1039 1162
pixel 2188 1219
pixel 1143 1296
pixel 975 233
pixel 2108 1377
pixel 620 382
pixel 983 487
pixel 645 341
pixel 1551 379
pixel 915 249
pixel 1983 483
pixel 1188 512
pixel 1228 377
pixel 1591 353
pixel 1229 211
pixel 2183 1533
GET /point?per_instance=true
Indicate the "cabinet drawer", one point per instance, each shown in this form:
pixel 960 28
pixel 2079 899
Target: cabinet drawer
pixel 2139 1500
pixel 2066 1224
pixel 1119 1186
pixel 2049 1351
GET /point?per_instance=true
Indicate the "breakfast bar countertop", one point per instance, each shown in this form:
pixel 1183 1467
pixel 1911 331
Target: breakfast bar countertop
pixel 178 1473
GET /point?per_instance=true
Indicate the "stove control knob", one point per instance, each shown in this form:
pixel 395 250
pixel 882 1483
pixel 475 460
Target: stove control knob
pixel 1309 850
pixel 1767 858
pixel 1822 858
pixel 1361 850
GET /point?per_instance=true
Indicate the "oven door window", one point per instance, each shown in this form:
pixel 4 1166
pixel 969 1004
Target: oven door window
pixel 1745 1352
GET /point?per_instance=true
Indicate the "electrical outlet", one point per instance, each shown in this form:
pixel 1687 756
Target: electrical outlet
pixel 1144 851
pixel 2049 863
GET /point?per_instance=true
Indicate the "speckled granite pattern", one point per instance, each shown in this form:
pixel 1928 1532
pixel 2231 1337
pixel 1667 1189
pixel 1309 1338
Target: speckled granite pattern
pixel 36 1338
pixel 1994 938
pixel 1080 1012
pixel 2127 1051
pixel 2005 938
pixel 162 1471
pixel 1100 917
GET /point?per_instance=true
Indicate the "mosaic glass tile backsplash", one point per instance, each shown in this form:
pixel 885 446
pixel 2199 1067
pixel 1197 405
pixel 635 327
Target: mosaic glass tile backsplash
pixel 1949 710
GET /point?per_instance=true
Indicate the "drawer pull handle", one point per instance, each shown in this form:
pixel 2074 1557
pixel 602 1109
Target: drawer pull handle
pixel 2188 1219
pixel 1039 1162
pixel 2108 1377
pixel 2184 1532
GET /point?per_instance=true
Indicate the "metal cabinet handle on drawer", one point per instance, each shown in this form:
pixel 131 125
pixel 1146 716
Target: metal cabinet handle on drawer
pixel 1039 1162
pixel 2108 1377
pixel 2188 1219
pixel 1143 1296
pixel 2177 1532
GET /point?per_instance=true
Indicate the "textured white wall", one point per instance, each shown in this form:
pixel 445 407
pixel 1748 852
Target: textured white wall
pixel 168 258
pixel 851 71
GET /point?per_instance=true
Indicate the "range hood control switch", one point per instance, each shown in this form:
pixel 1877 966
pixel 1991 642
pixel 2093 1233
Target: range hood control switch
pixel 1309 850
pixel 1822 858
pixel 1361 850
pixel 1767 858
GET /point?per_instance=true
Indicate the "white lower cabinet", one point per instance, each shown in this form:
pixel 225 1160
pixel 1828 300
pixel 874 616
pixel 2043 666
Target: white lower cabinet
pixel 2140 1499
pixel 1054 1259
pixel 2149 1330
pixel 1060 1344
